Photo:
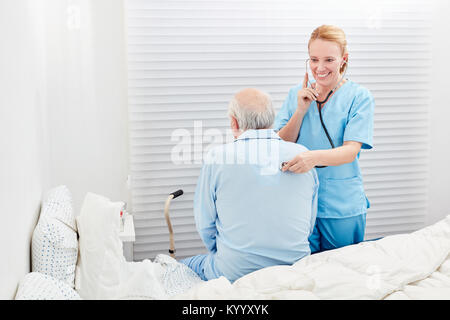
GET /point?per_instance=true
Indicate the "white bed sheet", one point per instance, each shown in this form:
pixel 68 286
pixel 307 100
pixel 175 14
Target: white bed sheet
pixel 406 266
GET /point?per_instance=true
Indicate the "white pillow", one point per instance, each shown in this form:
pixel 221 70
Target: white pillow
pixel 54 243
pixel 38 286
pixel 103 272
pixel 58 204
pixel 101 252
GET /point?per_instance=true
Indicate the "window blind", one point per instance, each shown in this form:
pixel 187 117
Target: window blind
pixel 186 59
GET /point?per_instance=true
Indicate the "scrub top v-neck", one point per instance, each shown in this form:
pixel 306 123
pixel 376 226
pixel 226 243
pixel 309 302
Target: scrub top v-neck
pixel 348 116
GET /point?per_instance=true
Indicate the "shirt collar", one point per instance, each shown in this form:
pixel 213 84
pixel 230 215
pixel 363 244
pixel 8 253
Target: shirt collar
pixel 259 134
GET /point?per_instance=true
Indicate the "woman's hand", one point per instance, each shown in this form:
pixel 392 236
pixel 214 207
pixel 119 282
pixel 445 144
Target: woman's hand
pixel 301 163
pixel 307 160
pixel 305 96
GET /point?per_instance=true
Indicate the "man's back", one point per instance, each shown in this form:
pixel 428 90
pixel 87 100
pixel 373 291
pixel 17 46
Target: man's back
pixel 263 216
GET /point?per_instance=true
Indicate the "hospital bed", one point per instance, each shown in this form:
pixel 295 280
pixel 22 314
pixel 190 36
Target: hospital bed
pixel 403 266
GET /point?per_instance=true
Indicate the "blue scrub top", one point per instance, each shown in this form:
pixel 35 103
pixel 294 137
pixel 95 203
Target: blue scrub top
pixel 348 116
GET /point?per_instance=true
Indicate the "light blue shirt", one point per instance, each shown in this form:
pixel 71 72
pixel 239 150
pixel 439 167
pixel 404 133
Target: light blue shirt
pixel 348 116
pixel 248 212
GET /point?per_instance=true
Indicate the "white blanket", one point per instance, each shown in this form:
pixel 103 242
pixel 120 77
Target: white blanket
pixel 406 266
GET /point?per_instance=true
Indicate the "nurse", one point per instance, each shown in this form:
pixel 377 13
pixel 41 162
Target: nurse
pixel 348 118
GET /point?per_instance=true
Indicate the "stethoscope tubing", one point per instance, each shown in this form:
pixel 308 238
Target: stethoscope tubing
pixel 321 103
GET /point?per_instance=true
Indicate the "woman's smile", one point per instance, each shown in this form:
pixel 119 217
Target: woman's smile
pixel 323 75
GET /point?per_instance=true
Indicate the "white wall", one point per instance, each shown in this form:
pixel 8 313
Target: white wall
pixel 63 113
pixel 439 191
pixel 23 157
pixel 87 97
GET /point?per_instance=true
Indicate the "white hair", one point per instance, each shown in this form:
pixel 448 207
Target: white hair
pixel 260 114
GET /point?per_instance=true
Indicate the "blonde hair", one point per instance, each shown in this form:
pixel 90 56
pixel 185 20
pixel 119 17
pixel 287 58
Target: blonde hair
pixel 334 34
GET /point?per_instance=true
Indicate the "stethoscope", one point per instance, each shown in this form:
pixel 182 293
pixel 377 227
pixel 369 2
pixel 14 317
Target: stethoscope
pixel 319 107
pixel 321 103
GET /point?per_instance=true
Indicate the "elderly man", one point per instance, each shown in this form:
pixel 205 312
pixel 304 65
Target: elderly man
pixel 249 213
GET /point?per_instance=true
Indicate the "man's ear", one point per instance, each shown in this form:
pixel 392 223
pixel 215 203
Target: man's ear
pixel 234 123
pixel 234 126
